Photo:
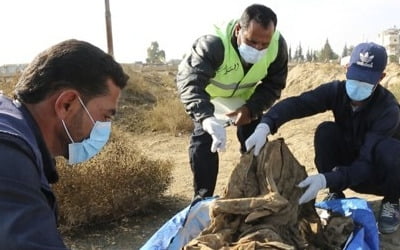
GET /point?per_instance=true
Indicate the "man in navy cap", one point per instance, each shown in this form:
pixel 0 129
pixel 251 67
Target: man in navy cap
pixel 360 149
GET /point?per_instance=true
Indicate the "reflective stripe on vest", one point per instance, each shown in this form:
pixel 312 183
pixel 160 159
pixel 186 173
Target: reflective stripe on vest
pixel 232 86
pixel 230 79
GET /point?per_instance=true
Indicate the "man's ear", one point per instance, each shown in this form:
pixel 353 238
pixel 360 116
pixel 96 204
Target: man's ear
pixel 66 103
pixel 237 29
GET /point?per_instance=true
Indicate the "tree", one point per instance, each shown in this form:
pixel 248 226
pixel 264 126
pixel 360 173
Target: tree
pixel 290 54
pixel 298 54
pixel 350 49
pixel 309 55
pixel 327 53
pixel 154 54
pixel 314 56
pixel 345 51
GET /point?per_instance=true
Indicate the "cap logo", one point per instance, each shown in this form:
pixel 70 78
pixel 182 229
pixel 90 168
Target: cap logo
pixel 366 60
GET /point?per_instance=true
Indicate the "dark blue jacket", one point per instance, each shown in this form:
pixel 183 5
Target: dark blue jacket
pixel 27 203
pixel 363 129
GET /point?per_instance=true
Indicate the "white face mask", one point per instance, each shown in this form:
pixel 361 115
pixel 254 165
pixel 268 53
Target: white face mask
pixel 250 54
pixel 359 91
pixel 86 149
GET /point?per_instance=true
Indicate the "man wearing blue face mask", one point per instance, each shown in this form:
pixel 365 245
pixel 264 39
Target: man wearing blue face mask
pixel 62 106
pixel 230 78
pixel 86 149
pixel 360 148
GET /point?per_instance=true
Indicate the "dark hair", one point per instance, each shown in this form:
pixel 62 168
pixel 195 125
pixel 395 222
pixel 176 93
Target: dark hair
pixel 69 64
pixel 260 14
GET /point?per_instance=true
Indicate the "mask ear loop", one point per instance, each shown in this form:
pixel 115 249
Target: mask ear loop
pixel 66 130
pixel 87 111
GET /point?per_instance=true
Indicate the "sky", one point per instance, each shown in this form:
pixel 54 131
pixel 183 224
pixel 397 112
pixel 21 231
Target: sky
pixel 31 26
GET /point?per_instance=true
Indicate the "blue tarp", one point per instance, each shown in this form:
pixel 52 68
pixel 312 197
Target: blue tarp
pixel 365 236
pixel 181 228
pixel 189 222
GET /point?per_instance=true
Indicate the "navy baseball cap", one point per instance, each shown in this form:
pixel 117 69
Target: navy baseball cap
pixel 367 63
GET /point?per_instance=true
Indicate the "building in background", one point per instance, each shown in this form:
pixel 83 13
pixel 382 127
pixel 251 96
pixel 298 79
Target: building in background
pixel 8 72
pixel 390 39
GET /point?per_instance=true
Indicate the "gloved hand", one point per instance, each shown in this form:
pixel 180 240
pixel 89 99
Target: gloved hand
pixel 258 138
pixel 217 132
pixel 314 183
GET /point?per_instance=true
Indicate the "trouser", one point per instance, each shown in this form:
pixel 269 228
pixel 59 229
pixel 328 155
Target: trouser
pixel 331 150
pixel 204 163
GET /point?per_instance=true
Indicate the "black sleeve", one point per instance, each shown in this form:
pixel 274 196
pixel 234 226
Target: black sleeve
pixel 269 90
pixel 194 73
pixel 27 220
pixel 361 168
pixel 306 104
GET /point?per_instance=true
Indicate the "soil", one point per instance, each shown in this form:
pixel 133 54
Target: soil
pixel 133 232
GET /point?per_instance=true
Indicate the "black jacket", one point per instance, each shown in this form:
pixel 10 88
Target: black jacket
pixel 363 128
pixel 201 64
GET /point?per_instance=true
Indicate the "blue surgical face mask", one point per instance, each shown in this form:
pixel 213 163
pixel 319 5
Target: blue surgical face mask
pixel 359 91
pixel 250 54
pixel 86 149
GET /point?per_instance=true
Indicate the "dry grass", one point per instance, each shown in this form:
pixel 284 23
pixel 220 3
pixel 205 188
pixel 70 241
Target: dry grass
pixel 168 115
pixel 392 79
pixel 118 182
pixel 7 85
pixel 150 103
pixel 121 180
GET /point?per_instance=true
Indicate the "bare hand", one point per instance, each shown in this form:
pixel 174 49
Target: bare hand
pixel 241 115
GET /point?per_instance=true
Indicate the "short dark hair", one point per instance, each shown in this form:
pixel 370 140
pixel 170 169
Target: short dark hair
pixel 70 64
pixel 259 13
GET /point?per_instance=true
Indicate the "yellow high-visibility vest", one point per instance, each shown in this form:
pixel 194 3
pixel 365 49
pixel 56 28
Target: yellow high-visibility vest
pixel 230 79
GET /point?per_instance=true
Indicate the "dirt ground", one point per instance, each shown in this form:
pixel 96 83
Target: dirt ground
pixel 133 232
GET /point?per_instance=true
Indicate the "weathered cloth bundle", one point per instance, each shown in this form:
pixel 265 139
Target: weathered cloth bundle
pixel 259 209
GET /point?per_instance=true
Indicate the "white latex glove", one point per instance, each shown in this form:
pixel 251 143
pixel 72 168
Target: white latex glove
pixel 314 183
pixel 258 138
pixel 217 132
